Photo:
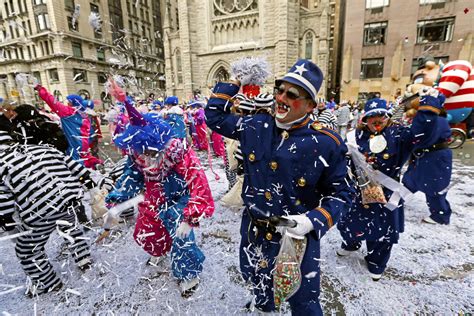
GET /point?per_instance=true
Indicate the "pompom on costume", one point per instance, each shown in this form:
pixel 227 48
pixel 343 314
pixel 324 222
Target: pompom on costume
pixel 176 191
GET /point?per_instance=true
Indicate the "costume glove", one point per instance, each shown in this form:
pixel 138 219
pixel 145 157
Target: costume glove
pixel 183 230
pixel 303 225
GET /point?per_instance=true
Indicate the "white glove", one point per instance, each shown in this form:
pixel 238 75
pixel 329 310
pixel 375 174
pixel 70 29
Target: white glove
pixel 183 230
pixel 303 225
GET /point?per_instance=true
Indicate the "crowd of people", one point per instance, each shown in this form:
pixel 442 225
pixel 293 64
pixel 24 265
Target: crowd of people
pixel 296 166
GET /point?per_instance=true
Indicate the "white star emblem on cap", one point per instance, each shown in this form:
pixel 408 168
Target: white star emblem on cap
pixel 373 105
pixel 300 69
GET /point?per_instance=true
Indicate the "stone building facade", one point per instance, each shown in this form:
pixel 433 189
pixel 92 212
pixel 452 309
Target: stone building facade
pixel 202 38
pixel 38 37
pixel 384 38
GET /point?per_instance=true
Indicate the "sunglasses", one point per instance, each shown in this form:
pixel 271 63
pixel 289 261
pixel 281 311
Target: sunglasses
pixel 292 93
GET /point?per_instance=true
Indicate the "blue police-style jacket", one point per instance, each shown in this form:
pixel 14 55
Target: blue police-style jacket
pixel 301 170
pixel 430 172
pixel 304 172
pixel 374 221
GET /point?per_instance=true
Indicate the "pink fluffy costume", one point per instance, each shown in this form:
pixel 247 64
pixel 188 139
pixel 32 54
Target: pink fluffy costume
pixel 75 123
pixel 177 193
pixel 200 141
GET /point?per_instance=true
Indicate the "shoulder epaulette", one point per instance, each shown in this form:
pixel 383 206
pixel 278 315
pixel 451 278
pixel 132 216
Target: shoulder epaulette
pixel 222 96
pixel 320 128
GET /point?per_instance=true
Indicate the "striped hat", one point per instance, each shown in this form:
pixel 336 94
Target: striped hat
pixel 264 100
pixel 246 105
pixel 306 75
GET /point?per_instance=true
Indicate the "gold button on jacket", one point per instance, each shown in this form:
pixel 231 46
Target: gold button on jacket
pixel 268 236
pixel 252 157
pixel 268 195
pixel 273 165
pixel 301 182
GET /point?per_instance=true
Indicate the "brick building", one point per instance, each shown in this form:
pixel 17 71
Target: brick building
pixel 384 38
pixel 40 38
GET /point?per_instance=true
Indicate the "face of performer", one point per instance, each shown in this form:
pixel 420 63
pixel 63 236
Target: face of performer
pixel 8 111
pixel 292 102
pixel 321 106
pixel 377 123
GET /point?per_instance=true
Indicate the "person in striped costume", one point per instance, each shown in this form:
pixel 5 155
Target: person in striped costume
pixel 43 186
pixel 324 116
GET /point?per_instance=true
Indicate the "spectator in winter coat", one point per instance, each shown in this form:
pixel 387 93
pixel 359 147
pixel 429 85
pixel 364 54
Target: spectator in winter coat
pixel 343 116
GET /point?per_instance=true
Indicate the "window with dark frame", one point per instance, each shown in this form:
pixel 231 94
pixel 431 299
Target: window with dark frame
pixel 69 4
pixel 53 75
pixel 75 27
pixel 42 21
pixel 371 68
pixel 95 9
pixel 374 33
pixel 79 75
pixel 308 53
pixel 76 49
pixel 100 54
pixel 102 78
pixel 439 30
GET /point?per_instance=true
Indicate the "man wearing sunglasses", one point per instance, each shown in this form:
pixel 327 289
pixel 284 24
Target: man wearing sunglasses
pixel 293 168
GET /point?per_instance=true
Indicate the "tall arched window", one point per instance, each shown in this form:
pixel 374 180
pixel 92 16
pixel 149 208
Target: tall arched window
pixel 179 67
pixel 221 75
pixel 308 52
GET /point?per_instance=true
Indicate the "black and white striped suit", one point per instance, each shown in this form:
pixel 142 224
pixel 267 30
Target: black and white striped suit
pixel 43 186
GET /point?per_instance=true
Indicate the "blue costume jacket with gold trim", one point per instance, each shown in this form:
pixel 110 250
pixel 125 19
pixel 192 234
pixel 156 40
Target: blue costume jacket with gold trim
pixel 286 173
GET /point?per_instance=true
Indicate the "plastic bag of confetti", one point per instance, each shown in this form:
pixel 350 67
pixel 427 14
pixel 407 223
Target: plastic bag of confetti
pixel 287 273
pixel 370 190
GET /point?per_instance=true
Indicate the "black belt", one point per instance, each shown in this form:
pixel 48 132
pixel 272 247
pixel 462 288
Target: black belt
pixel 420 152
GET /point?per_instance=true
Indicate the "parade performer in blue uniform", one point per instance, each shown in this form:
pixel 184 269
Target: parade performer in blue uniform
pixel 385 147
pixel 294 167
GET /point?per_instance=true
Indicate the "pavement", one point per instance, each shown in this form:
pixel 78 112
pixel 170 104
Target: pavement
pixel 465 153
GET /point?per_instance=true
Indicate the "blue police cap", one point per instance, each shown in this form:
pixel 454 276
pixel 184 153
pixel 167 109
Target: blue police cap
pixel 306 75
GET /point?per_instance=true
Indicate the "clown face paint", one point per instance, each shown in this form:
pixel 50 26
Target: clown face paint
pixel 377 123
pixel 292 103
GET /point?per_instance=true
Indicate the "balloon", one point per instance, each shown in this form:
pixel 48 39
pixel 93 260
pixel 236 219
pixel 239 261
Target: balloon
pixel 458 115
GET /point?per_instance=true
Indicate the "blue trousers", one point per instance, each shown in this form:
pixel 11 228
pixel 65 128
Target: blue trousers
pixel 439 207
pixel 257 262
pixel 186 257
pixel 378 254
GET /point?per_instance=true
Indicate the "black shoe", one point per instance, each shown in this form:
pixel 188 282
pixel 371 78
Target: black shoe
pixel 188 287
pixel 85 264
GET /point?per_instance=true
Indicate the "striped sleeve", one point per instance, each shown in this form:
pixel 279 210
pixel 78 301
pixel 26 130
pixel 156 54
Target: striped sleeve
pixel 77 170
pixel 7 207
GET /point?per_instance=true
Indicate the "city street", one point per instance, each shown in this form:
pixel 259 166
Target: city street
pixel 430 272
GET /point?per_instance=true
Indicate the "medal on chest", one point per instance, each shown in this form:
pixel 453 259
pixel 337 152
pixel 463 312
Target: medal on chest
pixel 377 144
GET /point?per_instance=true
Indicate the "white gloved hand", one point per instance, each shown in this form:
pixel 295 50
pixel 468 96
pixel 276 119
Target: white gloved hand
pixel 183 230
pixel 303 225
